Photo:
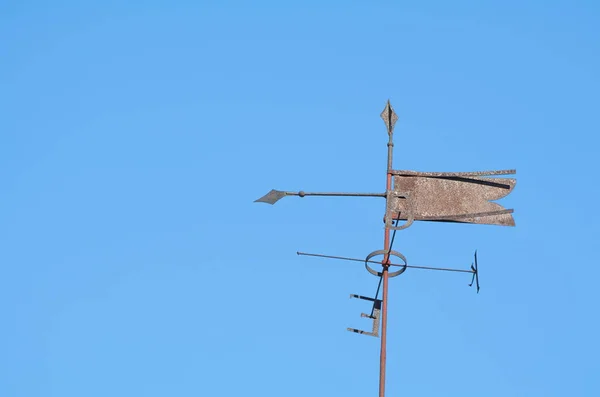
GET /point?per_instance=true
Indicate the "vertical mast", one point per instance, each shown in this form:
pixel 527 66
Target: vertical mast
pixel 389 117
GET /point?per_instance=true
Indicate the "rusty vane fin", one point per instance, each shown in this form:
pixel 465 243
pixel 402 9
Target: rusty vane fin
pixel 465 197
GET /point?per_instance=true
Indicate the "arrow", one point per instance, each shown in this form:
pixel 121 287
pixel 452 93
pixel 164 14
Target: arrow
pixel 275 195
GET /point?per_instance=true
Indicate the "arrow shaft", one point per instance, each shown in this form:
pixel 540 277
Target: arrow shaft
pixel 336 194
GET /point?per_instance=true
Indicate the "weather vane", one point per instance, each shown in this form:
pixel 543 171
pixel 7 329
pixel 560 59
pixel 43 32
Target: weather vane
pixel 410 196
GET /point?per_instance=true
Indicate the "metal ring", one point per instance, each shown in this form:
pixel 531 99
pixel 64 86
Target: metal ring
pixel 386 252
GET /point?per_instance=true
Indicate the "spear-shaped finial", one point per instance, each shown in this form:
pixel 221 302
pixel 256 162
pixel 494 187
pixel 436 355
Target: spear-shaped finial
pixel 389 117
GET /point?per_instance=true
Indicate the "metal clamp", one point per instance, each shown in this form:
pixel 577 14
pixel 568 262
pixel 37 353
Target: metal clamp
pixel 410 218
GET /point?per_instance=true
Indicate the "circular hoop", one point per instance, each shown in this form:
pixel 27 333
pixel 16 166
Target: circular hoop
pixel 386 252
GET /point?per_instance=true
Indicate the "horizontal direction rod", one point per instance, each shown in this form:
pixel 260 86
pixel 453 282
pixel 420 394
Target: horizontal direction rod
pixel 302 194
pixel 445 269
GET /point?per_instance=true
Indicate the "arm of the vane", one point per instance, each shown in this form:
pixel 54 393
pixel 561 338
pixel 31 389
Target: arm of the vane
pixel 275 195
pixel 475 270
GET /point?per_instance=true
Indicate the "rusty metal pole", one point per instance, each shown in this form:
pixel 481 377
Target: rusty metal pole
pixel 389 117
pixel 384 300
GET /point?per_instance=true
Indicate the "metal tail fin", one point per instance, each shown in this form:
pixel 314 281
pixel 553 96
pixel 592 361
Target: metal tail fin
pixel 475 270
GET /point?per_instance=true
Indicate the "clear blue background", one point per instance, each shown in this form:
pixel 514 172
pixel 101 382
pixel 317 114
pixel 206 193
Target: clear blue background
pixel 134 137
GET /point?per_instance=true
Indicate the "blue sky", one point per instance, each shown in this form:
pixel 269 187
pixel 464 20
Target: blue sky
pixel 135 137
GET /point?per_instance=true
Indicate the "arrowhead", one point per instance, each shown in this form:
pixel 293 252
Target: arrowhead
pixel 272 197
pixel 389 117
